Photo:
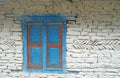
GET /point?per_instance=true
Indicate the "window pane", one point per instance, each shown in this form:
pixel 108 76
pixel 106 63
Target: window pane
pixel 35 33
pixel 53 57
pixel 35 56
pixel 53 33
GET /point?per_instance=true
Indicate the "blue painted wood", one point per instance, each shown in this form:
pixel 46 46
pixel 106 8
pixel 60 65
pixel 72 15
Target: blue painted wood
pixel 35 56
pixel 53 33
pixel 44 20
pixel 67 17
pixel 35 35
pixel 24 31
pixel 53 56
pixel 64 46
pixel 44 48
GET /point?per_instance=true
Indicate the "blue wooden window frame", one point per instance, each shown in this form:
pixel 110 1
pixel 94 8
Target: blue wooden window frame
pixel 44 19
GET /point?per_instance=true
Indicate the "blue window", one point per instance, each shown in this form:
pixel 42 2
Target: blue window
pixel 44 40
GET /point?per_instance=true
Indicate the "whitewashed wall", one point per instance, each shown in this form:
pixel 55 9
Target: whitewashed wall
pixel 93 41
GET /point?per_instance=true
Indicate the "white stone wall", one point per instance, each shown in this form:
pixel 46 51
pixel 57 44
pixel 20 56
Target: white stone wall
pixel 92 52
pixel 93 41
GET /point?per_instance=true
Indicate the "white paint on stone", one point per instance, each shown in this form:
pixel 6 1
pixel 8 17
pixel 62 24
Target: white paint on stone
pixel 93 41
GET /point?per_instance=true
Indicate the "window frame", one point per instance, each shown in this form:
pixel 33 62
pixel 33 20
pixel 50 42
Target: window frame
pixel 44 19
pixel 30 44
pixel 58 45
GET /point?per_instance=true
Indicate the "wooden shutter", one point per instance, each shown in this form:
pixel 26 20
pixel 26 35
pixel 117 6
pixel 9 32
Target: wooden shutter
pixel 54 45
pixel 34 43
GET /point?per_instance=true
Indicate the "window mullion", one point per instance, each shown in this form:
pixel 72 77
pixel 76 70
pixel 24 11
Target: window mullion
pixel 44 42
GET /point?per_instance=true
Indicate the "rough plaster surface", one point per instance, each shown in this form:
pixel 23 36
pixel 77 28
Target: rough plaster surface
pixel 93 41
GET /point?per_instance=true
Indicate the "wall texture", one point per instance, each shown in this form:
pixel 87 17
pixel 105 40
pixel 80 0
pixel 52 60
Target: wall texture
pixel 93 41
